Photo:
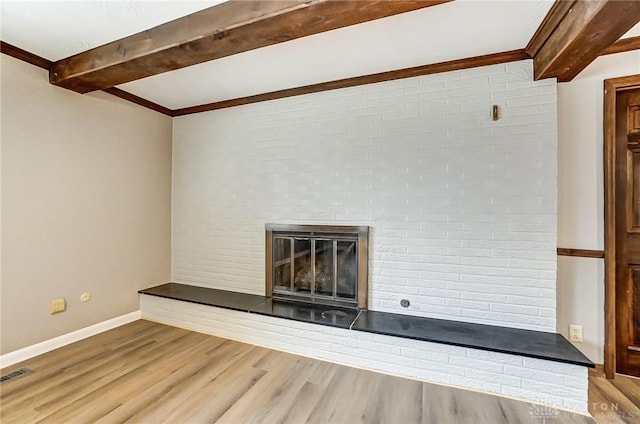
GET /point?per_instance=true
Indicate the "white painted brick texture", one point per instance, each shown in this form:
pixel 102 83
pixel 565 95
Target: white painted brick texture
pixel 462 208
pixel 534 380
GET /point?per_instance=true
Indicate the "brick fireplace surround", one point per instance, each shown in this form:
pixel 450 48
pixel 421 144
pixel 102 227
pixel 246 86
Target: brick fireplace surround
pixel 462 211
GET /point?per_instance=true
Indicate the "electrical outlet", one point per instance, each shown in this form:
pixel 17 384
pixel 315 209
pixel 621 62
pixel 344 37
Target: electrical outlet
pixel 57 305
pixel 85 297
pixel 575 333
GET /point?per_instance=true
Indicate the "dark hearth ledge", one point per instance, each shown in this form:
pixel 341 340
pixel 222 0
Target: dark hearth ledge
pixel 527 343
pixel 206 296
pixel 315 314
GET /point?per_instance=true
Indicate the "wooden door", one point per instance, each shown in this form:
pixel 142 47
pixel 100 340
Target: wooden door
pixel 627 232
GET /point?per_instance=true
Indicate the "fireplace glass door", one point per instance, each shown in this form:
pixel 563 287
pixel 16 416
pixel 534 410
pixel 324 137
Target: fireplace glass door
pixel 315 266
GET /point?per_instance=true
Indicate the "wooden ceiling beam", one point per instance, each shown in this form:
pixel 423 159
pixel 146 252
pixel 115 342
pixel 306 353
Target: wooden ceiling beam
pixel 556 14
pixel 41 62
pixel 623 45
pixel 225 29
pixel 575 33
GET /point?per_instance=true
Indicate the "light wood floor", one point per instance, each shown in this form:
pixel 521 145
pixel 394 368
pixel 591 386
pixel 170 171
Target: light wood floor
pixel 616 400
pixel 150 373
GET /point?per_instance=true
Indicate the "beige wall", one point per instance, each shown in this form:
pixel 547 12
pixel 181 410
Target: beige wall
pixel 580 294
pixel 86 203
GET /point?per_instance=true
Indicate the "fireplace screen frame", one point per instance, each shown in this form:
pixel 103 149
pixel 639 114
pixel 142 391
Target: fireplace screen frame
pixel 358 234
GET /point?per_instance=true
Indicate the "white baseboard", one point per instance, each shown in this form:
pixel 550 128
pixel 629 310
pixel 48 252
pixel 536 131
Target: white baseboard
pixel 39 348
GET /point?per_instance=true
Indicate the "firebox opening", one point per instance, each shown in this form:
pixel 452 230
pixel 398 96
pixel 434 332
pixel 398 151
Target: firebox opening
pixel 317 264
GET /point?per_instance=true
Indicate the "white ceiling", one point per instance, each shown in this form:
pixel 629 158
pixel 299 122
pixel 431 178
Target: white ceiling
pixel 448 31
pixel 463 28
pixel 59 29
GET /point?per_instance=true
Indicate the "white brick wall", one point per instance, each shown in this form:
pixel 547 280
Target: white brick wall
pixel 535 380
pixel 463 209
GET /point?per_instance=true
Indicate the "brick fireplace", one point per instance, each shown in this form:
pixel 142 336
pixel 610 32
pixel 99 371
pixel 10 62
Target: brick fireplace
pixel 462 211
pixel 463 207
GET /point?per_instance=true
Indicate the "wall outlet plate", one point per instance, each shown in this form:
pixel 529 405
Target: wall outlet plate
pixel 57 305
pixel 575 334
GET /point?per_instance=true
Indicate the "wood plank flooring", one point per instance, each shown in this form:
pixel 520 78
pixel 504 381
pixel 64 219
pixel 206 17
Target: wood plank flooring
pixel 146 372
pixel 614 401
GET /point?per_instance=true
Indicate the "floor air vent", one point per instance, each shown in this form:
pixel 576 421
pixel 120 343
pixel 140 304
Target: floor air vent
pixel 15 374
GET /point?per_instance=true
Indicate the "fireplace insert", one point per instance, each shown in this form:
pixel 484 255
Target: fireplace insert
pixel 321 264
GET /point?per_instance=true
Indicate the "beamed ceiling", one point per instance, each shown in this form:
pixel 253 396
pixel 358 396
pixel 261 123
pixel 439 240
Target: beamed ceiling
pixel 184 57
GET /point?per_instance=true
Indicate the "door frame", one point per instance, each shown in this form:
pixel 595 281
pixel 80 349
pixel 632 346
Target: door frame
pixel 611 88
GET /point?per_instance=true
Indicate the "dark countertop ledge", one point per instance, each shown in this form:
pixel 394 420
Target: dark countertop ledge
pixel 315 314
pixel 206 296
pixel 514 341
